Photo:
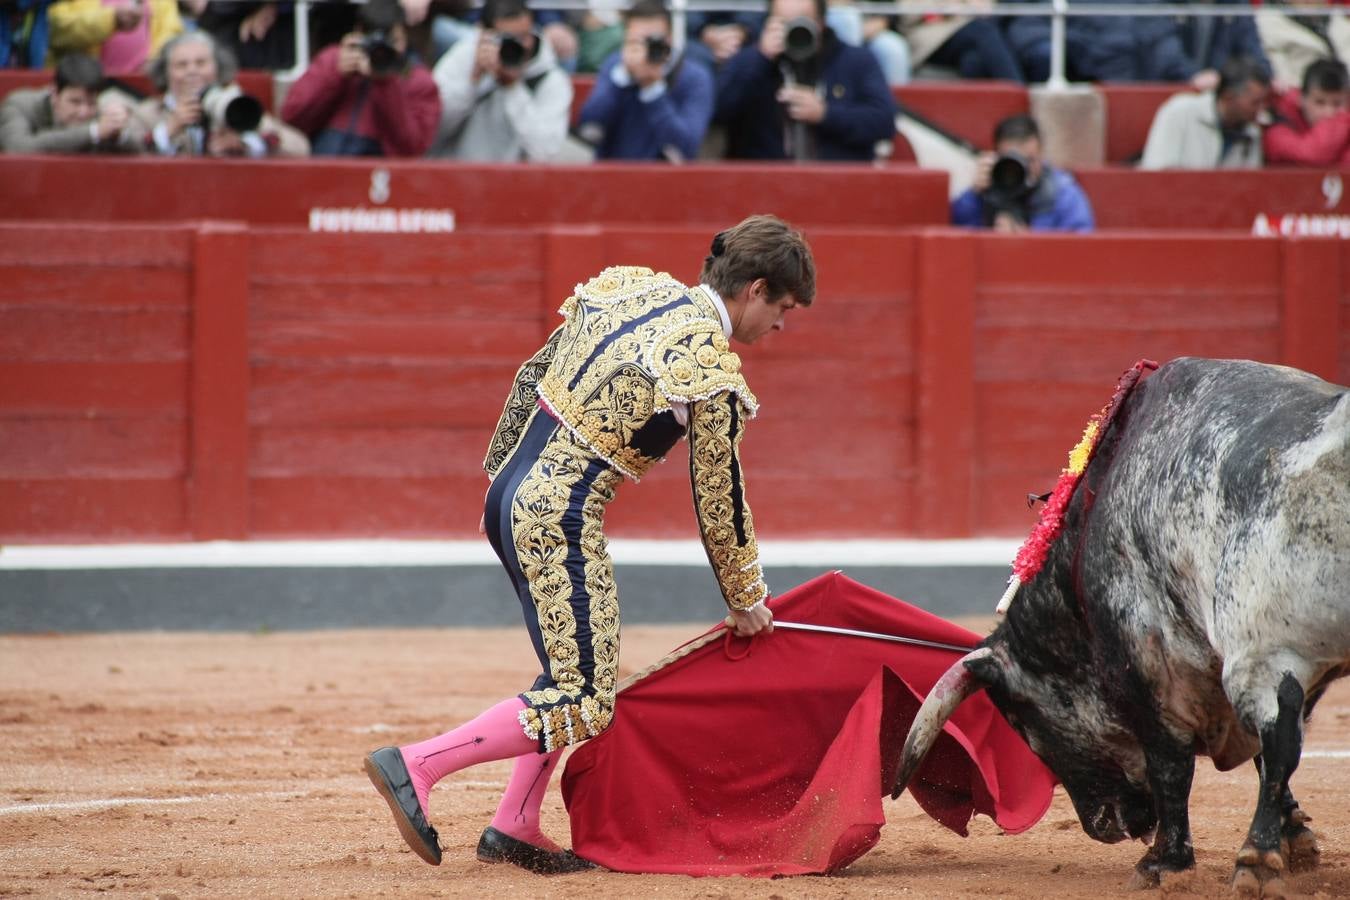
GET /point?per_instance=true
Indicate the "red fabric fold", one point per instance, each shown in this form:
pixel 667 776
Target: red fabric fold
pixel 771 756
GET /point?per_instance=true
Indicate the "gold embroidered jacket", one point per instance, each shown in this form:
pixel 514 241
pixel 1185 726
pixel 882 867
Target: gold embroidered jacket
pixel 633 342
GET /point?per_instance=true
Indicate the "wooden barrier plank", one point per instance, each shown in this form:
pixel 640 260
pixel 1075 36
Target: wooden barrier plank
pixel 450 298
pixel 70 389
pixel 450 394
pixel 293 254
pixel 78 285
pixel 92 448
pixel 373 507
pixel 97 335
pixel 91 510
pixel 218 485
pixel 47 244
pixel 391 341
pixel 947 274
pixel 1310 319
pixel 369 452
pixel 286 192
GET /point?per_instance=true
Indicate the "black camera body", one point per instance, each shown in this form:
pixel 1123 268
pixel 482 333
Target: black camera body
pixel 658 49
pixel 511 52
pixel 383 55
pixel 1010 188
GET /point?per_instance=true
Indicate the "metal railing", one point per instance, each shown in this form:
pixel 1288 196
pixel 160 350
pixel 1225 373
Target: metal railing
pixel 1058 11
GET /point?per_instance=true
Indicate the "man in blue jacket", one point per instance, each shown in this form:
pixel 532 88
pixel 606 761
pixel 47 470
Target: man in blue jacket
pixel 1015 190
pixel 647 102
pixel 801 93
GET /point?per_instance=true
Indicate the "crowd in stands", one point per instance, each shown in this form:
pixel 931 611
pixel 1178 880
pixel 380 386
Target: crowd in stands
pixel 803 80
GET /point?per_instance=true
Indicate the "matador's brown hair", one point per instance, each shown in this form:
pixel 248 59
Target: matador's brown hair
pixel 761 247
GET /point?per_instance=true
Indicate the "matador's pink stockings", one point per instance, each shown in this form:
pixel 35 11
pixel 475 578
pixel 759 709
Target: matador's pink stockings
pixel 494 734
pixel 518 814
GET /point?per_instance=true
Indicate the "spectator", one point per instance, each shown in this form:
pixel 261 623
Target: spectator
pixel 1293 42
pixel 504 97
pixel 1312 127
pixel 715 37
pixel 1212 130
pixel 1210 41
pixel 648 102
pixel 873 32
pixel 122 34
pixel 260 35
pixel 972 45
pixel 1109 48
pixel 826 100
pixel 364 96
pixel 1015 190
pixel 68 116
pixel 190 118
pixel 24 33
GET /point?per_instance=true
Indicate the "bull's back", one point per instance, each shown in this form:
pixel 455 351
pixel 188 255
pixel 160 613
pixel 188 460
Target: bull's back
pixel 1231 487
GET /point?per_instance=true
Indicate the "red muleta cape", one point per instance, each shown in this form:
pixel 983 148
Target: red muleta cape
pixel 770 756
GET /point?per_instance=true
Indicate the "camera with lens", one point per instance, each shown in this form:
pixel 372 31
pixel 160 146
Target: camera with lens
pixel 511 52
pixel 1010 188
pixel 231 108
pixel 658 49
pixel 380 50
pixel 801 39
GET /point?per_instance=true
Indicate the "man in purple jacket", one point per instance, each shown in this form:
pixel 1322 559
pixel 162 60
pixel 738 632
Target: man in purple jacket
pixel 1015 189
pixel 648 103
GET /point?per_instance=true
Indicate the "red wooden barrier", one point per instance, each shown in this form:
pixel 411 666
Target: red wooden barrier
pixel 1216 199
pixel 177 382
pixel 277 192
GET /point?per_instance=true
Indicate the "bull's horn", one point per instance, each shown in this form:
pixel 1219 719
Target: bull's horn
pixel 953 687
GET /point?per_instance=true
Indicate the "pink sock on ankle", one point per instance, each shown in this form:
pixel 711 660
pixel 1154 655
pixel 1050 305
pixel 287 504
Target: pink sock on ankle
pixel 518 813
pixel 495 734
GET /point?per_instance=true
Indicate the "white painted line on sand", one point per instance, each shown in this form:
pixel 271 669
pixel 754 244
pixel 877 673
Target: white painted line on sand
pixel 112 802
pixel 1325 754
pixel 361 554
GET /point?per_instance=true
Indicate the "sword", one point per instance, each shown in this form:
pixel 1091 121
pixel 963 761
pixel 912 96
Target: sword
pixel 849 632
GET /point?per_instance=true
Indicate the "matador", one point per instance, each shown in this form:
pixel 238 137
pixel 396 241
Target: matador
pixel 639 362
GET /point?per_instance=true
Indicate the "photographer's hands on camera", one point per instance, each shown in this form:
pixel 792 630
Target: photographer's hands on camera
pixel 800 102
pixel 1004 222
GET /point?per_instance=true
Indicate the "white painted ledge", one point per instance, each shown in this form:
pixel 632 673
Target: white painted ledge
pixel 373 553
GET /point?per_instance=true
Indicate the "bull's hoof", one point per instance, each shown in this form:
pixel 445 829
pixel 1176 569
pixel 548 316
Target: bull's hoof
pixel 1259 873
pixel 1150 871
pixel 1299 846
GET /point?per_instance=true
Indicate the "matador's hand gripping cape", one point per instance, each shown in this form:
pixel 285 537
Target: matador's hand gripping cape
pixel 633 344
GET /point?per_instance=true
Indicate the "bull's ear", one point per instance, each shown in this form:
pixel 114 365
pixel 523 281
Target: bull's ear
pixel 987 668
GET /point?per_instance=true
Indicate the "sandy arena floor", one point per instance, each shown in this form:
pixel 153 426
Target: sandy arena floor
pixel 194 765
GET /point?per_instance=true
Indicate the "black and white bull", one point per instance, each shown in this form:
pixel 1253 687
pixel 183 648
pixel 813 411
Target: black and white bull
pixel 1196 602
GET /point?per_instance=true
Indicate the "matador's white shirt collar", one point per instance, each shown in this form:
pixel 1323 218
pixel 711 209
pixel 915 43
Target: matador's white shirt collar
pixel 716 298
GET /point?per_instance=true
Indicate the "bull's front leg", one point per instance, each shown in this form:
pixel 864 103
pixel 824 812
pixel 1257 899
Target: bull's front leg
pixel 1171 768
pixel 1298 844
pixel 1260 865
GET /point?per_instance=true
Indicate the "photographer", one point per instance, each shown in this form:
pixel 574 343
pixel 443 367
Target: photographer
pixel 364 96
pixel 201 112
pixel 504 97
pixel 648 103
pixel 801 93
pixel 1015 190
pixel 69 116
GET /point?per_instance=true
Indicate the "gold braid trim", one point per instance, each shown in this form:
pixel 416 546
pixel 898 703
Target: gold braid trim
pixel 713 448
pixel 520 405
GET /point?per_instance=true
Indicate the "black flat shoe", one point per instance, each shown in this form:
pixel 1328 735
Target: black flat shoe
pixel 390 776
pixel 496 846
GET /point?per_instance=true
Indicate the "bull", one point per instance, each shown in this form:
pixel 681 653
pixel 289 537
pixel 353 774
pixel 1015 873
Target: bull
pixel 1197 602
